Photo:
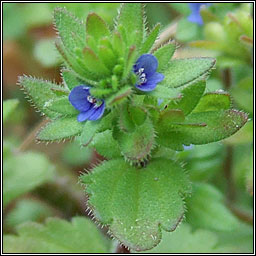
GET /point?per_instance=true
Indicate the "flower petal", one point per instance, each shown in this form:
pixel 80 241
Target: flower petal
pixel 147 61
pixel 155 78
pixel 78 98
pixel 98 112
pixel 85 115
pixel 147 87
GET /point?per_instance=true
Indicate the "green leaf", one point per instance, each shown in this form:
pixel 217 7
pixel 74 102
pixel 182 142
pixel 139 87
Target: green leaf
pixel 8 108
pixel 162 92
pixel 39 92
pixel 57 236
pixel 131 17
pixel 186 241
pixel 206 209
pixel 23 173
pixel 201 128
pixel 62 128
pixel 128 199
pixel 119 97
pixel 96 27
pixel 70 79
pixel 61 106
pixel 191 95
pixel 164 55
pixel 118 44
pixel 71 30
pixel 89 130
pixel 151 38
pixel 136 146
pixel 214 101
pixel 94 64
pixel 103 142
pixel 180 72
pixel 107 57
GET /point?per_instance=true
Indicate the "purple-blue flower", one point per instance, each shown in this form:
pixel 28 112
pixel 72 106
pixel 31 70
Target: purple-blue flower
pixel 195 15
pixel 145 69
pixel 90 108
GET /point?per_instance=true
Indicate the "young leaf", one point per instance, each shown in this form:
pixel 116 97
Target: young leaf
pixel 8 107
pixel 213 101
pixel 164 55
pixel 57 236
pixel 201 128
pixel 118 44
pixel 105 145
pixel 71 31
pixel 180 72
pixel 40 92
pixel 206 209
pixel 136 146
pixel 23 173
pixel 62 106
pixel 62 128
pixel 96 27
pixel 70 80
pixel 128 199
pixel 151 38
pixel 119 97
pixel 132 19
pixel 191 95
pixel 89 130
pixel 107 57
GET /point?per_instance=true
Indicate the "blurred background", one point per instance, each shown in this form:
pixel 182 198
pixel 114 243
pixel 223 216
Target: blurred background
pixel 225 32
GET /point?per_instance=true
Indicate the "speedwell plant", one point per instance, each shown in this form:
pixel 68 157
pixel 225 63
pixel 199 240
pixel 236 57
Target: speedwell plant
pixel 125 96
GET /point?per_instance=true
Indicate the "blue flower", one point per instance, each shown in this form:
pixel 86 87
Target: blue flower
pixel 195 16
pixel 89 107
pixel 145 68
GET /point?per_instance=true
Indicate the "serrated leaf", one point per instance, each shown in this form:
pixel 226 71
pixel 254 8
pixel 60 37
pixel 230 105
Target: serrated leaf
pixel 164 55
pixel 131 18
pixel 71 30
pixel 59 129
pixel 206 209
pixel 57 236
pixel 89 130
pixel 40 92
pixel 23 173
pixel 61 106
pixel 180 72
pixel 70 80
pixel 191 95
pixel 8 108
pixel 201 128
pixel 213 101
pixel 94 64
pixel 103 142
pixel 136 146
pixel 150 40
pixel 96 27
pixel 128 199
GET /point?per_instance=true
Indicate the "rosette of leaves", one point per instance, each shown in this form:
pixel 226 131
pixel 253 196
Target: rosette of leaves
pixel 139 190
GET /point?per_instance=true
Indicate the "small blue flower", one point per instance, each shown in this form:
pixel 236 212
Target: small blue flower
pixel 89 107
pixel 145 68
pixel 195 16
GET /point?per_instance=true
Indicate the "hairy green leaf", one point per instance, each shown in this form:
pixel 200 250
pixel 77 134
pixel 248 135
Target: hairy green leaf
pixel 213 101
pixel 70 80
pixel 180 72
pixel 191 95
pixel 206 209
pixel 62 128
pixel 89 130
pixel 8 108
pixel 150 40
pixel 61 106
pixel 128 199
pixel 40 92
pixel 164 55
pixel 57 236
pixel 162 92
pixel 201 128
pixel 23 173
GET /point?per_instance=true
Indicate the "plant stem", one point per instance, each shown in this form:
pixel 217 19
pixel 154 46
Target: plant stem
pixel 31 136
